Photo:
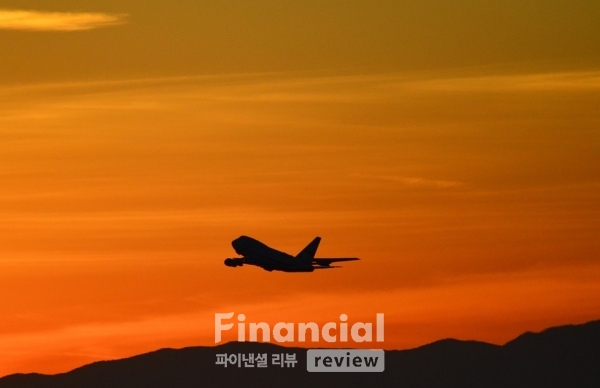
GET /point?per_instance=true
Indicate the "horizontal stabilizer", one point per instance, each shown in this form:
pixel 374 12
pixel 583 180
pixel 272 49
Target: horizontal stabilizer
pixel 326 261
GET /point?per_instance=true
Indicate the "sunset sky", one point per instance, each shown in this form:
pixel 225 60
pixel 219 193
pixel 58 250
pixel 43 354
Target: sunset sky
pixel 454 146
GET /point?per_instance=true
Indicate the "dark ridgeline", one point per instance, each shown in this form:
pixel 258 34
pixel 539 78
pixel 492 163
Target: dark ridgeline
pixel 567 356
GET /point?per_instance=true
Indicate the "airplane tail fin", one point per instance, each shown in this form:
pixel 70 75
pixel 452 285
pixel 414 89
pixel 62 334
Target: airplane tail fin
pixel 308 253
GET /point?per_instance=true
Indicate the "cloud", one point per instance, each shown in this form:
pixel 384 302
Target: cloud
pixel 418 182
pixel 414 181
pixel 565 81
pixel 56 21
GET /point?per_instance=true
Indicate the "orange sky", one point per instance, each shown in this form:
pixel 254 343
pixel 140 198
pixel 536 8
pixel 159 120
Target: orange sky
pixel 470 193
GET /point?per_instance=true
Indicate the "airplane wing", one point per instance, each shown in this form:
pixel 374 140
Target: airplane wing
pixel 326 261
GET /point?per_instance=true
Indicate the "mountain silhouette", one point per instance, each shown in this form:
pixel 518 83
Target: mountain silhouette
pixel 566 356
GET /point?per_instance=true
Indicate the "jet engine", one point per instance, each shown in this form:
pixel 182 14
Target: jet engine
pixel 233 262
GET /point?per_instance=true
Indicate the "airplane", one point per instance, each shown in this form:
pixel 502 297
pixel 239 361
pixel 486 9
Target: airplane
pixel 254 252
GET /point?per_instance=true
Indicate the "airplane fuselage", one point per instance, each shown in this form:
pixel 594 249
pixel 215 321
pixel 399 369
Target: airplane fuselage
pixel 254 252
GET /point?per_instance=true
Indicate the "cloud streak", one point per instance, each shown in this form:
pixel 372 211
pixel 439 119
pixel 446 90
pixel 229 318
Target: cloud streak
pixel 25 20
pixel 421 182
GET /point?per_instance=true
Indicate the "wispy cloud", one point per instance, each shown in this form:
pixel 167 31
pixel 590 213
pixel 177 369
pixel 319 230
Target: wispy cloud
pixel 416 181
pixel 56 21
pixel 564 81
pixel 422 182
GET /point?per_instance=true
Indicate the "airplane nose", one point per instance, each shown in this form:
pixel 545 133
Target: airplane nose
pixel 236 244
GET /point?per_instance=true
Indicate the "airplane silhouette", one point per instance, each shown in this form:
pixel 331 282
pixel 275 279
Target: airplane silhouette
pixel 254 252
